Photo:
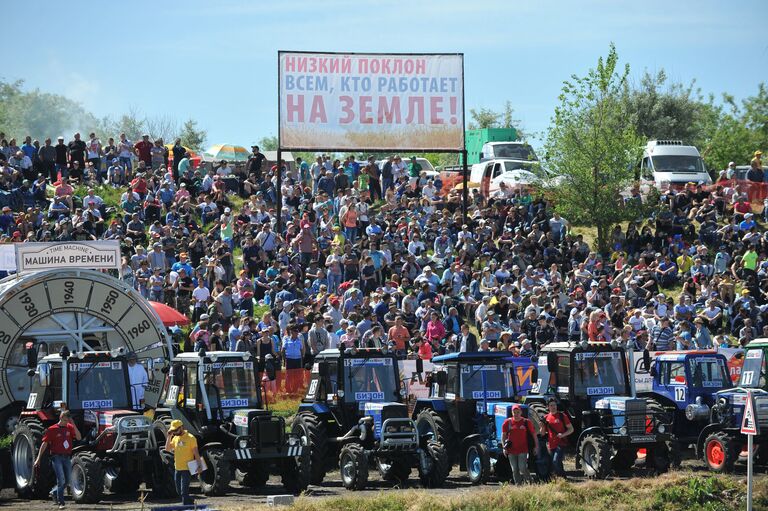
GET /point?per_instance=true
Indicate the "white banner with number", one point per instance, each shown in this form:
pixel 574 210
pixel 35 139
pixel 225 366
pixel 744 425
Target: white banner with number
pixel 91 255
pixel 336 101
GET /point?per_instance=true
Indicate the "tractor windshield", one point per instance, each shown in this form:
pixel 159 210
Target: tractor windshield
pixel 599 373
pixel 493 379
pixel 98 385
pixel 370 379
pixel 232 381
pixel 709 372
pixel 753 372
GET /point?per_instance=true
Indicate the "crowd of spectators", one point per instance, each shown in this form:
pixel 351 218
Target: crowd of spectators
pixel 372 254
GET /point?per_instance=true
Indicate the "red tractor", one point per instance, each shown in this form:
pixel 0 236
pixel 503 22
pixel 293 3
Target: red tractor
pixel 118 450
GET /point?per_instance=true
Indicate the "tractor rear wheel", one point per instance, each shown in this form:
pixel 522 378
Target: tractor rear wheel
pixel 595 455
pixel 87 479
pixel 311 427
pixel 624 459
pixel 117 480
pixel 353 463
pixel 30 482
pixel 296 474
pixel 255 477
pixel 440 466
pixel 163 484
pixel 430 421
pixel 478 463
pixel 392 471
pixel 720 452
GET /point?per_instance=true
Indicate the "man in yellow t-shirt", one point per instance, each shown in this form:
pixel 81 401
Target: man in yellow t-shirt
pixel 183 445
pixel 684 263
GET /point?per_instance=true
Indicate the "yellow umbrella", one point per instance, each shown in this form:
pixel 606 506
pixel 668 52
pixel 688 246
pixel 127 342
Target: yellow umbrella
pixel 460 186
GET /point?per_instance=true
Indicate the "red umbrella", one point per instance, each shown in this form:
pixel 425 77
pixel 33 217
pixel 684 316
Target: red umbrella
pixel 168 315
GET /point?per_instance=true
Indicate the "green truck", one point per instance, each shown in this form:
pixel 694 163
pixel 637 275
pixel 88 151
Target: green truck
pixel 489 143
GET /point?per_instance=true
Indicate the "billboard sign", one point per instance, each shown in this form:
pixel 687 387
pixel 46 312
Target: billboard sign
pixel 344 101
pixel 93 255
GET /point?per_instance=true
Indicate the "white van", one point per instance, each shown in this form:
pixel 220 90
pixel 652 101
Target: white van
pixel 669 163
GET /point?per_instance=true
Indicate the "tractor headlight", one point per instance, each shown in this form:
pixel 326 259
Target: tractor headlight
pixel 403 393
pixel 243 443
pixel 340 393
pixel 246 356
pixel 291 440
pixel 623 430
pixel 214 358
pixel 81 355
pixel 661 428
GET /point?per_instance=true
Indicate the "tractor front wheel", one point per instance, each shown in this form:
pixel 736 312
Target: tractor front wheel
pixel 478 463
pixel 595 455
pixel 720 452
pixel 353 463
pixel 218 474
pixel 87 479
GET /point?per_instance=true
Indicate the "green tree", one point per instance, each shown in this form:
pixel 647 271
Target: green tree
pixel 268 143
pixel 592 144
pixel 483 118
pixel 191 136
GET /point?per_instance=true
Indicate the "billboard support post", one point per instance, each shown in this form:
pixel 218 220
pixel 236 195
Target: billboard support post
pixel 279 192
pixel 464 187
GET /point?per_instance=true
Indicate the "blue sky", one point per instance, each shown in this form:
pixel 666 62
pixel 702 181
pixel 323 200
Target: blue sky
pixel 216 61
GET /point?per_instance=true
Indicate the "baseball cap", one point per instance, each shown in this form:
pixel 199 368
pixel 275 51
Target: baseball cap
pixel 175 424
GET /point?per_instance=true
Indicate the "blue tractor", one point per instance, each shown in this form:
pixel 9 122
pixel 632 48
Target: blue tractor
pixel 721 443
pixel 683 386
pixel 590 382
pixel 354 413
pixel 471 395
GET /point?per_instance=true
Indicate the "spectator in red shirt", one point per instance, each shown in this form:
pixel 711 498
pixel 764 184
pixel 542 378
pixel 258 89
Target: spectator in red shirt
pixel 515 433
pixel 58 439
pixel 143 150
pixel 557 427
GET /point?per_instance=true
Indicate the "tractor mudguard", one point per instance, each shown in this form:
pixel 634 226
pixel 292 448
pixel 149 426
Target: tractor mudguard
pixel 317 408
pixel 437 405
pixel 708 430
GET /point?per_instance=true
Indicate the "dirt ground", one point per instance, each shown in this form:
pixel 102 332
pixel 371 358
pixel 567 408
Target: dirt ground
pixel 456 485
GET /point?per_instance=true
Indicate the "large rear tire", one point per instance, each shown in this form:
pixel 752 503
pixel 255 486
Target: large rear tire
pixel 296 473
pixel 430 421
pixel 215 480
pixel 255 477
pixel 595 455
pixel 310 426
pixel 720 452
pixel 440 466
pixel 87 479
pixel 30 482
pixel 393 472
pixel 353 463
pixel 163 484
pixel 117 480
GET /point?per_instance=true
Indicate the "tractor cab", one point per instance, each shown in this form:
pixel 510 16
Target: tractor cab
pixel 92 385
pixel 464 384
pixel 348 381
pixel 213 386
pixel 688 381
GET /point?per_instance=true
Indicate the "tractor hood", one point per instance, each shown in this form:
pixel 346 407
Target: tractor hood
pixel 381 412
